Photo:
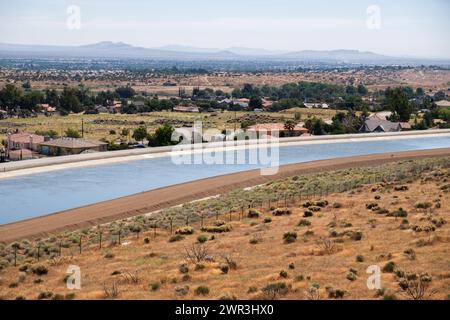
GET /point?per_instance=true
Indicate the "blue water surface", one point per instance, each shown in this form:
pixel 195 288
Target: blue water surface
pixel 35 195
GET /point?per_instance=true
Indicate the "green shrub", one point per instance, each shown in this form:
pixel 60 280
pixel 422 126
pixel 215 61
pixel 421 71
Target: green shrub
pixel 177 237
pixel 267 220
pixel 283 274
pixel 359 258
pixel 290 237
pixel 39 269
pixel 304 222
pixel 186 230
pixel 273 290
pixel 202 290
pixel 307 214
pixel 154 286
pixel 183 268
pixel 351 276
pixel 253 213
pixel 281 212
pixel 291 266
pixel 423 205
pixel 202 238
pixel 45 295
pixel 217 229
pixel 389 267
pixel 224 268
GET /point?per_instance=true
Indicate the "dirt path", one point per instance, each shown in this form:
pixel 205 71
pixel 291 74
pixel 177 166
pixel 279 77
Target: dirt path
pixel 154 200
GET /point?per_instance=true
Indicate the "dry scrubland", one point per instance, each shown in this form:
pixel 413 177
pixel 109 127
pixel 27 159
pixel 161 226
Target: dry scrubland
pixel 374 79
pixel 393 216
pixel 100 126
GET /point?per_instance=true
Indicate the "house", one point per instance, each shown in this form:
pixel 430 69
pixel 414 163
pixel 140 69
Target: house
pixel 379 125
pixel 443 103
pixel 69 146
pixel 46 108
pixel 186 109
pixel 20 154
pixel 316 105
pixel 3 114
pixel 271 128
pixel 28 141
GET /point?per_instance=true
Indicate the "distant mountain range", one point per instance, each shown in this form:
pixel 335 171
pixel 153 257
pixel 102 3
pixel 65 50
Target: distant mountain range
pixel 122 50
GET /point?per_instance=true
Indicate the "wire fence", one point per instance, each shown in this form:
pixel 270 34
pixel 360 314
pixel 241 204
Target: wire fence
pixel 103 237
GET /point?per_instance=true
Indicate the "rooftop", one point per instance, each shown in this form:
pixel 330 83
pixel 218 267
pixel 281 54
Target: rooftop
pixel 72 143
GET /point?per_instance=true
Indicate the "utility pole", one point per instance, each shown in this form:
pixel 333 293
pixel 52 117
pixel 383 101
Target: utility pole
pixel 82 128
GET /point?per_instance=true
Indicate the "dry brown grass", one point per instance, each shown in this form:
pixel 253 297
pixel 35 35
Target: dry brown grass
pixel 152 271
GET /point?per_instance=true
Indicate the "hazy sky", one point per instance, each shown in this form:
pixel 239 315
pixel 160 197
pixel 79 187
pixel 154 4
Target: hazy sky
pixel 407 27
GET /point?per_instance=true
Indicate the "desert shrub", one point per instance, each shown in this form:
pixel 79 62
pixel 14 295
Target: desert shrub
pixel 199 267
pixel 109 255
pixel 282 212
pixel 186 230
pixel 202 238
pixel 321 203
pixel 252 289
pixel 13 285
pixel 253 213
pixel 315 208
pixel 39 269
pixel 416 286
pixel 400 213
pixel 45 295
pixel 359 258
pixel 335 293
pixel 410 254
pixel 327 246
pixel 299 278
pixel 337 205
pixel 377 197
pixel 224 268
pixel 401 188
pixel 217 229
pixel 202 291
pixel 304 222
pixel 283 274
pixel 197 252
pixel 70 296
pixel 154 286
pixel 20 298
pixel 146 240
pixel 183 268
pixel 273 290
pixel 58 296
pixel 389 267
pixel 182 290
pixel 355 235
pixel 267 220
pixel 177 237
pixel 307 204
pixel 351 276
pixel 309 233
pixel 372 206
pixel 290 237
pixel 382 211
pixel 186 277
pixel 438 222
pixel 114 273
pixel 422 205
pixel 38 280
pixel 307 214
pixel 291 266
pixel 227 297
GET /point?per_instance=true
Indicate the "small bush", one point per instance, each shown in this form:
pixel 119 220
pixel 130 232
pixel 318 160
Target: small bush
pixel 281 212
pixel 70 296
pixel 114 273
pixel 202 290
pixel 224 268
pixel 372 206
pixel 299 278
pixel 283 274
pixel 359 258
pixel 39 270
pixel 182 290
pixel 147 240
pixel 315 208
pixel 183 268
pixel 290 237
pixel 267 220
pixel 217 229
pixel 307 214
pixel 351 276
pixel 252 290
pixel 410 254
pixel 304 222
pixel 253 213
pixel 177 237
pixel 202 238
pixel 186 230
pixel 45 295
pixel 273 290
pixel 337 205
pixel 423 205
pixel 109 255
pixel 199 267
pixel 389 267
pixel 400 213
pixel 291 266
pixel 154 286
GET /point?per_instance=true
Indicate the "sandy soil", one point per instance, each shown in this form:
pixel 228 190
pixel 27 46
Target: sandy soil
pixel 174 195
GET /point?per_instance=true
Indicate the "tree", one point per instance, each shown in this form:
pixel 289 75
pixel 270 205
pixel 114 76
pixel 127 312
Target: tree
pixel 289 125
pixel 161 137
pixel 362 90
pixel 398 103
pixel 140 133
pixel 255 103
pixel 11 96
pixel 126 92
pixel 72 133
pixel 69 101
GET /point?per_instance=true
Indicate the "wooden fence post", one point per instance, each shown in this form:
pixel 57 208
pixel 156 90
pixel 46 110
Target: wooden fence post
pixel 171 224
pixel 100 236
pixel 80 244
pixel 15 256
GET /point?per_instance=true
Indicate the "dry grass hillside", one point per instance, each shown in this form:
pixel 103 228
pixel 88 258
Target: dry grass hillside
pixel 314 248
